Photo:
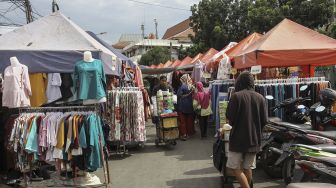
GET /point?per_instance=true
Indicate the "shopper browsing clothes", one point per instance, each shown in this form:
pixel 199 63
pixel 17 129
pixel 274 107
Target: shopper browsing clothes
pixel 247 114
pixel 202 107
pixel 185 107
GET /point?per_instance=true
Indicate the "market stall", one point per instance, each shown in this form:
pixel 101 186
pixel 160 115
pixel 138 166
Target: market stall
pixel 289 44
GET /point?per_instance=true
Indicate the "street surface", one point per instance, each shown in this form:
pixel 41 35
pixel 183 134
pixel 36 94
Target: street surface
pixel 186 165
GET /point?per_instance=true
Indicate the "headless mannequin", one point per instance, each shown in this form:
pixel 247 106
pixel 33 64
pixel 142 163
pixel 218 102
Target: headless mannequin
pixel 88 58
pixel 14 61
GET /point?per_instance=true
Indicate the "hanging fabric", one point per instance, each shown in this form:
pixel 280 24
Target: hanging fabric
pixel 126 115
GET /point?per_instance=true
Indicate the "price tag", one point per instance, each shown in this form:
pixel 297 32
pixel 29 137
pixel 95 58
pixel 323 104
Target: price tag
pixel 256 69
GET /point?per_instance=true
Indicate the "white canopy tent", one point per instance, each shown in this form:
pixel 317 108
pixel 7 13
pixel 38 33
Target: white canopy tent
pixel 53 44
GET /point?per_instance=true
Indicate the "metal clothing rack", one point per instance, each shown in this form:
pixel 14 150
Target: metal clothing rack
pixel 121 145
pixel 93 108
pixel 291 80
pixel 227 81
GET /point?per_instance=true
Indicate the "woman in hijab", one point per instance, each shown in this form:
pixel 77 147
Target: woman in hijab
pixel 203 107
pixel 185 107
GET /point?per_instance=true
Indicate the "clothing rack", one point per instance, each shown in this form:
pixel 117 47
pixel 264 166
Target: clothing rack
pixel 92 108
pixel 227 81
pixel 121 144
pixel 290 80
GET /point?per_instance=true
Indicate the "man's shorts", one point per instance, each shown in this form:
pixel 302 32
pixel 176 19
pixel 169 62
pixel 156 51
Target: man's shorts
pixel 241 160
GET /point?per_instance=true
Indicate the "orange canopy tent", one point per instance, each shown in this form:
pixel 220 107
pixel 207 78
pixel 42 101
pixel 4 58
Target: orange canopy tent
pixel 167 64
pixel 160 66
pixel 197 57
pixel 176 63
pixel 289 44
pixel 243 44
pixel 186 61
pixel 208 55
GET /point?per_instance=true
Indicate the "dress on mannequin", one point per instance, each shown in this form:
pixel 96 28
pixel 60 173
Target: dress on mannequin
pixel 89 80
pixel 16 85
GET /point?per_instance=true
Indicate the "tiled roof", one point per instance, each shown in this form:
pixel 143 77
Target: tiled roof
pixel 178 28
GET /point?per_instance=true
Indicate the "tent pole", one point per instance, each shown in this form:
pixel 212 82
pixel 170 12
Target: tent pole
pixel 311 70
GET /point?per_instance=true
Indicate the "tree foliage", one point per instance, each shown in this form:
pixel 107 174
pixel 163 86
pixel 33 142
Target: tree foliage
pixel 155 56
pixel 218 22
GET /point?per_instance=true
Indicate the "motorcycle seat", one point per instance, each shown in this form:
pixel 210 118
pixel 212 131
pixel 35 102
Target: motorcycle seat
pixel 290 125
pixel 327 134
pixel 327 148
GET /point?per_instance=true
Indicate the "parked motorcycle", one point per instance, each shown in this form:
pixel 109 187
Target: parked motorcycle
pixel 316 163
pixel 282 136
pixel 282 133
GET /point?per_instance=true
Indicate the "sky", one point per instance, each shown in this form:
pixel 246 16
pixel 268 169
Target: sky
pixel 116 17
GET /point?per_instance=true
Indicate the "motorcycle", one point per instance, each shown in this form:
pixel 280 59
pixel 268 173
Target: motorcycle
pixel 316 163
pixel 282 133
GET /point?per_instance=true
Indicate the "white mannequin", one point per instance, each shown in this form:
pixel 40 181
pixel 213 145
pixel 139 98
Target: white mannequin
pixel 14 61
pixel 88 58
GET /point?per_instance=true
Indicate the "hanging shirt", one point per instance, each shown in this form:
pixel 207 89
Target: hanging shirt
pixel 89 80
pixel 53 88
pixel 39 81
pixel 16 87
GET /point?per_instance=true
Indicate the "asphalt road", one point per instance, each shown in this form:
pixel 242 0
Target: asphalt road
pixel 186 165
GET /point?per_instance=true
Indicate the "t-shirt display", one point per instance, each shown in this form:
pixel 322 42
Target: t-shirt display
pixel 53 88
pixel 38 97
pixel 16 86
pixel 89 80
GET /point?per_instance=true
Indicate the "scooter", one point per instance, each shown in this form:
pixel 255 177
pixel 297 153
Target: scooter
pixel 282 137
pixel 283 133
pixel 316 163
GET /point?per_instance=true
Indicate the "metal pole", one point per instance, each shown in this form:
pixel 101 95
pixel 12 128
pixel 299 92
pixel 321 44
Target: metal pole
pixel 156 30
pixel 28 11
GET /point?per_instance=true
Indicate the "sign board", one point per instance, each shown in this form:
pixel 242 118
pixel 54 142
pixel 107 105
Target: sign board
pixel 233 71
pixel 256 69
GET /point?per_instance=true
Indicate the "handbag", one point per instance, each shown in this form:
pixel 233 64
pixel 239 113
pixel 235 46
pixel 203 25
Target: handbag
pixel 206 112
pixel 218 153
pixel 197 107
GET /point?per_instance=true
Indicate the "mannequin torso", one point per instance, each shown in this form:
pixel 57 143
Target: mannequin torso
pixel 14 61
pixel 88 57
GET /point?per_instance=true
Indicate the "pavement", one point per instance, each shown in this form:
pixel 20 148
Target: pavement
pixel 186 165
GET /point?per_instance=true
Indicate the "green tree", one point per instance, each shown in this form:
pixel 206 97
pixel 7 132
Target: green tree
pixel 218 22
pixel 155 56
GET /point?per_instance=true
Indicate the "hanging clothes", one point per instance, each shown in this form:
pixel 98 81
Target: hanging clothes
pixel 38 97
pixel 16 87
pixel 59 136
pixel 89 80
pixel 126 115
pixel 53 88
pixel 66 85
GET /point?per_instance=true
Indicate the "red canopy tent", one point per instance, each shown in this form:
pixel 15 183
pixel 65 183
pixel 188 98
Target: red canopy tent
pixel 289 44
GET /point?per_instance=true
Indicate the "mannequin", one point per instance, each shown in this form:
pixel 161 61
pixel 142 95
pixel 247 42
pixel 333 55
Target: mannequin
pixel 14 61
pixel 87 57
pixel 16 93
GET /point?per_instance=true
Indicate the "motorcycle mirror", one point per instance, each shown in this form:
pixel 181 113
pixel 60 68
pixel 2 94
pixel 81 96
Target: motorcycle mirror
pixel 320 109
pixel 269 97
pixel 304 87
pixel 301 106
